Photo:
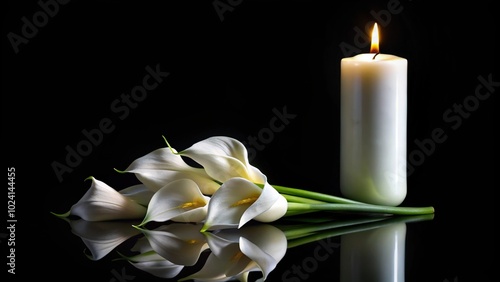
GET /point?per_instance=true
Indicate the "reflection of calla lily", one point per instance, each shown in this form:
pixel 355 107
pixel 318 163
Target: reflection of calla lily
pixel 180 200
pixel 102 237
pixel 150 261
pixel 235 252
pixel 159 268
pixel 144 250
pixel 221 158
pixel 238 201
pixel 214 270
pixel 101 202
pixel 179 243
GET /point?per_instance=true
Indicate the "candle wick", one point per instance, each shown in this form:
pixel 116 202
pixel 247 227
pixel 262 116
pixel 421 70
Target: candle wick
pixel 375 56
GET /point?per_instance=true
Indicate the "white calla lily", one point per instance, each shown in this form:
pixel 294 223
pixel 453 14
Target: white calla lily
pixel 180 200
pixel 238 201
pixel 164 165
pixel 139 193
pixel 101 202
pixel 223 158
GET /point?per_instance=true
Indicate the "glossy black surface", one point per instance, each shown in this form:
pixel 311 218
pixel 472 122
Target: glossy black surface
pixel 266 71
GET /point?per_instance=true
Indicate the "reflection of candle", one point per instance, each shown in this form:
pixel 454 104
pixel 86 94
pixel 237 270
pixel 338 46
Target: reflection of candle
pixel 373 127
pixel 376 255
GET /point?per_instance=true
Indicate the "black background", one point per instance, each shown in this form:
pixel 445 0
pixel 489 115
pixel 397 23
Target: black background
pixel 228 76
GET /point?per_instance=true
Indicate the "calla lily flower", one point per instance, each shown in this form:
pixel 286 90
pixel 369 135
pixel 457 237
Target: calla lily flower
pixel 165 165
pixel 221 158
pixel 180 200
pixel 179 243
pixel 236 252
pixel 139 193
pixel 102 237
pixel 101 202
pixel 238 201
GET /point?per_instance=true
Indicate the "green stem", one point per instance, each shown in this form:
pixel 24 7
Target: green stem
pixel 62 215
pixel 314 195
pixel 293 213
pixel 297 199
pixel 363 208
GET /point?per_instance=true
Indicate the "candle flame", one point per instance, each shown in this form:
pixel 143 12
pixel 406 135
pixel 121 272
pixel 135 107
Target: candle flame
pixel 374 47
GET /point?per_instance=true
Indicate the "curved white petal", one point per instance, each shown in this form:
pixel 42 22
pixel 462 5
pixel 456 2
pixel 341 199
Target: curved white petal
pixel 250 248
pixel 161 268
pixel 101 202
pixel 139 193
pixel 193 216
pixel 240 264
pixel 214 269
pixel 238 201
pixel 223 269
pixel 229 203
pixel 264 244
pixel 102 237
pixel 277 211
pixel 179 243
pixel 221 240
pixel 264 260
pixel 180 200
pixel 162 166
pixel 223 158
pixel 146 256
pixel 141 245
pixel 270 206
pixel 144 251
pixel 158 178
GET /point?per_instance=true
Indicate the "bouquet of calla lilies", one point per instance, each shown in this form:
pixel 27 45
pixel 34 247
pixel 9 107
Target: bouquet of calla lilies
pixel 223 191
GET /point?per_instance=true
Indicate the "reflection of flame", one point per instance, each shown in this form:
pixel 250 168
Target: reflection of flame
pixel 375 40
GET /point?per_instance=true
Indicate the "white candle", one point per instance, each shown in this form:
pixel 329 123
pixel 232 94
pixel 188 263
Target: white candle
pixel 373 127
